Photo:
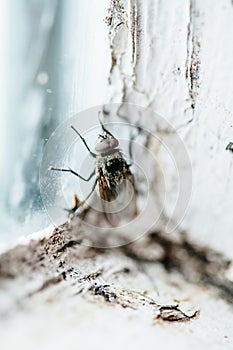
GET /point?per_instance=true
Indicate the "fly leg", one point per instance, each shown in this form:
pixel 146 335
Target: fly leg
pixel 92 190
pixel 84 141
pixel 69 170
pixel 78 203
pixel 103 127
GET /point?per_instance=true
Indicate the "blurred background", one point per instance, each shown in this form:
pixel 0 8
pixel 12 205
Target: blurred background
pixel 48 66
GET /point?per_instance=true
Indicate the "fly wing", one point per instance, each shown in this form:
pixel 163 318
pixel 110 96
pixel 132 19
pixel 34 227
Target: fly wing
pixel 106 193
pixel 128 176
pixel 130 189
pixel 119 203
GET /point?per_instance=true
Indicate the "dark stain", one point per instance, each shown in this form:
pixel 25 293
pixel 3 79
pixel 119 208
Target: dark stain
pixel 69 244
pixel 196 263
pixel 229 147
pixel 107 294
pixel 91 276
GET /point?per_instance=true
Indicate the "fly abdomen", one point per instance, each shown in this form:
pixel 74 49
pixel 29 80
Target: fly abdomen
pixel 111 171
pixel 115 165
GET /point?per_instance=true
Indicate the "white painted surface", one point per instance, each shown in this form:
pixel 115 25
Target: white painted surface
pixel 159 84
pixel 179 38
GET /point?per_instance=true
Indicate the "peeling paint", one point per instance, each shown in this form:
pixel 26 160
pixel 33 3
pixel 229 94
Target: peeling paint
pixel 192 59
pixel 116 19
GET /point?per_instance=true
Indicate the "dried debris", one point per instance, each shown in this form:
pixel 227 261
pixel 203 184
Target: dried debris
pixel 135 300
pixel 173 313
pixel 55 260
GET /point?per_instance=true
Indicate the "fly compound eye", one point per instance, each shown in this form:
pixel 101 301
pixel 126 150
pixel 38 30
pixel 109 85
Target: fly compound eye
pixel 106 144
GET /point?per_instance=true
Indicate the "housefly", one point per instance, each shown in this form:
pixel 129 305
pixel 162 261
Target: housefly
pixel 112 172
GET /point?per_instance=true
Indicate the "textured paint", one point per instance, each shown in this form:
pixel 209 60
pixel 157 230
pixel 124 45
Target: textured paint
pixel 182 69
